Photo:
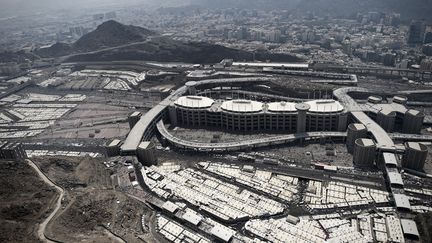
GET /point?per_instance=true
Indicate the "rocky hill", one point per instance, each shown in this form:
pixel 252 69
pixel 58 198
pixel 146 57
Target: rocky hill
pixel 110 34
pixel 115 41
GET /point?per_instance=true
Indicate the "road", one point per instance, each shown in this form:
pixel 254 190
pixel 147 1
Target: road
pixel 42 226
pixel 64 58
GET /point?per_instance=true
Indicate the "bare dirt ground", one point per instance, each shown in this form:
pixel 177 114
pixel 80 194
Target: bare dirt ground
pixel 424 222
pixel 107 131
pixel 25 202
pixel 318 153
pixel 91 207
pixel 102 121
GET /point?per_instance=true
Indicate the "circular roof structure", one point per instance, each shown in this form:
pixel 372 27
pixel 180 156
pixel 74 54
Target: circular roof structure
pixel 302 107
pixel 194 102
pixel 282 106
pixel 325 106
pixel 191 84
pixel 374 99
pixel 242 106
pixel 400 99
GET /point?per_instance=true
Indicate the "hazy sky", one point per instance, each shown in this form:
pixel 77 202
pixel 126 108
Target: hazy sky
pixel 17 7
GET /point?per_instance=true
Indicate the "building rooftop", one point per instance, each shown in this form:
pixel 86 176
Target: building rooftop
pixel 170 207
pixel 374 99
pixel 416 146
pixel 282 106
pixel 387 111
pixel 365 142
pixel 409 227
pixel 136 113
pixel 115 142
pixel 415 112
pixel 402 201
pixel 194 102
pixel 357 126
pixel 223 233
pixel 192 217
pixel 145 145
pixel 325 106
pixel 242 106
pixel 400 99
pixel 395 178
pixel 390 159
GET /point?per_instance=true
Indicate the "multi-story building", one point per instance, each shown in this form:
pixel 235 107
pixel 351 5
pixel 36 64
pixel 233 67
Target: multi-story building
pixel 416 32
pixel 250 115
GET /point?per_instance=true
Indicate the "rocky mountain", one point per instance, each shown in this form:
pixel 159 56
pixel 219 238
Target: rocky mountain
pixel 115 41
pixel 110 34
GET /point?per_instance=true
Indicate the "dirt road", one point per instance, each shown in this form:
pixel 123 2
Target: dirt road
pixel 42 226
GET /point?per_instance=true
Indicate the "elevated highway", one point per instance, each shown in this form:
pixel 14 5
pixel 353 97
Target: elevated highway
pixel 245 144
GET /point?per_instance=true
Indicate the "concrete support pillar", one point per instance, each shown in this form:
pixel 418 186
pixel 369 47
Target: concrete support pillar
pixel 173 115
pixel 342 123
pixel 302 109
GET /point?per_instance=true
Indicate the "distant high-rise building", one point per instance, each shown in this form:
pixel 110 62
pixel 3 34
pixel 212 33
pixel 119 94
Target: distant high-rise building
pixel 427 49
pixel 308 36
pixel 426 64
pixel 404 64
pixel 243 33
pixel 256 35
pixel 428 38
pixel 274 36
pixel 416 32
pixel 389 59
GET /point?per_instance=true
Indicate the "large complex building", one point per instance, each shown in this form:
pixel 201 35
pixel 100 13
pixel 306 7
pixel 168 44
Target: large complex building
pixel 250 115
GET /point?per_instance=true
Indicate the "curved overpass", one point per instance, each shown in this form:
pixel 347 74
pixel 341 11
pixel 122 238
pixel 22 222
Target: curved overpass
pixel 265 142
pixel 241 145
